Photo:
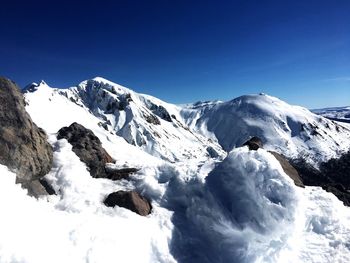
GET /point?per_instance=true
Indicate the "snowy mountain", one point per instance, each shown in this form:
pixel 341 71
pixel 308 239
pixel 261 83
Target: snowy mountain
pixel 152 125
pixel 341 114
pixel 212 199
pixel 175 133
pixel 291 130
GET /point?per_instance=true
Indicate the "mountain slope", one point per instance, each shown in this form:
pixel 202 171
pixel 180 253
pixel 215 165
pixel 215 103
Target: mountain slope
pixel 143 121
pixel 291 130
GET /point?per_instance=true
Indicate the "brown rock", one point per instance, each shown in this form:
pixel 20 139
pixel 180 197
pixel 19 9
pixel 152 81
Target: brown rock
pixel 23 146
pixel 117 174
pixel 254 143
pixel 288 169
pixel 88 148
pixel 130 200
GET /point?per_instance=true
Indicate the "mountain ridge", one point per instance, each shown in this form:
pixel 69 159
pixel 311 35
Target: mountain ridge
pixel 199 202
pixel 152 124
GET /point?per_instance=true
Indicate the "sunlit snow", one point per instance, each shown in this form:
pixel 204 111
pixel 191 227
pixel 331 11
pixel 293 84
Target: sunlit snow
pixel 237 207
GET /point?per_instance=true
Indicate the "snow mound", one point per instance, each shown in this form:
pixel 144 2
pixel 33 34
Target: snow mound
pixel 244 211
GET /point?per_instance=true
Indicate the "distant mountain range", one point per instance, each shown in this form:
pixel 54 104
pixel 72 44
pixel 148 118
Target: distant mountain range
pixel 341 114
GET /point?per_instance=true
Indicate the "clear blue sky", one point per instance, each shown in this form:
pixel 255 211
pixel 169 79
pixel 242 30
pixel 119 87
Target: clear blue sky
pixel 184 51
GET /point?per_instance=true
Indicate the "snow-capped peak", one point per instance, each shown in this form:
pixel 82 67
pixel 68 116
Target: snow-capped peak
pixel 291 130
pixel 175 132
pixel 143 121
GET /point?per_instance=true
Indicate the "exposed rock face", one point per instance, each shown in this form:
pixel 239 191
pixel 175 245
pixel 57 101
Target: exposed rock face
pixel 117 174
pixel 332 176
pixel 38 187
pixel 161 112
pixel 152 119
pixel 212 152
pixel 288 169
pixel 23 146
pixel 130 200
pixel 87 147
pixel 254 143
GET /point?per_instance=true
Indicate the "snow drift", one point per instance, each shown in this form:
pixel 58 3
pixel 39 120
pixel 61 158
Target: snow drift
pixel 244 211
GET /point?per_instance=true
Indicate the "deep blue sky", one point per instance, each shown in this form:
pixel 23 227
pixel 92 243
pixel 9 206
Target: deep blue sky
pixel 184 51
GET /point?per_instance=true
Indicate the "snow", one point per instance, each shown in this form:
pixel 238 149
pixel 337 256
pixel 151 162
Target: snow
pixel 341 114
pixel 75 226
pixel 291 130
pixel 237 206
pixel 244 208
pixel 88 103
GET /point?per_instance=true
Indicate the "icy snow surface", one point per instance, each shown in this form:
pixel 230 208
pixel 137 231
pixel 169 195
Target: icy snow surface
pixel 234 207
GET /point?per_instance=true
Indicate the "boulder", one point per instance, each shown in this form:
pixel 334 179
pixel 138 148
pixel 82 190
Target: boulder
pixel 130 200
pixel 254 143
pixel 288 169
pixel 88 148
pixel 23 146
pixel 117 174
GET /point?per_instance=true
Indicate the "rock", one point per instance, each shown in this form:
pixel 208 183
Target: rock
pixel 338 170
pixel 38 188
pixel 339 192
pixel 212 152
pixel 332 176
pixel 130 200
pixel 23 146
pixel 161 112
pixel 288 169
pixel 150 118
pixel 254 143
pixel 117 174
pixel 88 148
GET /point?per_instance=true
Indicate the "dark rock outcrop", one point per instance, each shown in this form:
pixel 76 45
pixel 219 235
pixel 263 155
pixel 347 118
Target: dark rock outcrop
pixel 88 148
pixel 118 174
pixel 23 146
pixel 161 112
pixel 130 200
pixel 212 152
pixel 288 169
pixel 150 118
pixel 254 143
pixel 332 176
